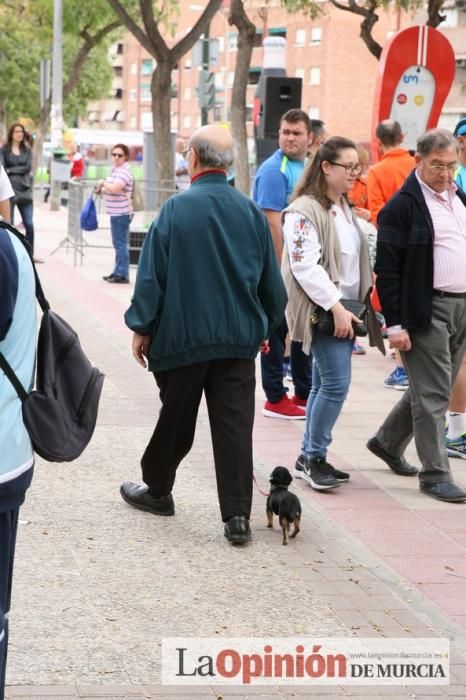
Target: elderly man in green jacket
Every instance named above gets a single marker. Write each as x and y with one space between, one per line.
208 292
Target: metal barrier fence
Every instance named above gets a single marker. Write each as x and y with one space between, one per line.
79 240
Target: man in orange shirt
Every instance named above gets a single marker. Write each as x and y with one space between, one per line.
386 177
383 180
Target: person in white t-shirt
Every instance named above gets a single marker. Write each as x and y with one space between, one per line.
325 260
6 192
182 178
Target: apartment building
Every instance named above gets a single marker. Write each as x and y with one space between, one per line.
336 68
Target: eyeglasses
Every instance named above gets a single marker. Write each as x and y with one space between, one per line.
441 168
185 153
118 155
350 168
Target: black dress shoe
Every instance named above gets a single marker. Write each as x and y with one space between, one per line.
108 277
397 464
237 530
444 491
137 495
116 279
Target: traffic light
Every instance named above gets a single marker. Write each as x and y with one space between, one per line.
206 89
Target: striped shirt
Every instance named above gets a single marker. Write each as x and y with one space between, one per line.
120 203
449 219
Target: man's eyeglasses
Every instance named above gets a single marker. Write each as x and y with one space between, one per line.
350 168
118 155
441 168
185 153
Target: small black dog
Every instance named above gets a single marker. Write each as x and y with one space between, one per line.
284 504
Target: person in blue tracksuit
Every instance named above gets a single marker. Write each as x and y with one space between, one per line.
18 345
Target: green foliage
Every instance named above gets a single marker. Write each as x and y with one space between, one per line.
314 9
94 80
26 38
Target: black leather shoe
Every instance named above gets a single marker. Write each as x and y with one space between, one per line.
137 495
108 277
397 464
444 491
237 530
116 279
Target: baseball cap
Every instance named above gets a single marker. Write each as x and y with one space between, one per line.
460 128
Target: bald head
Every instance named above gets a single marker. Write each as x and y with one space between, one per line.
389 133
213 147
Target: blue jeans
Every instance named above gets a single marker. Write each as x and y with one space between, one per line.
120 239
25 209
272 367
331 378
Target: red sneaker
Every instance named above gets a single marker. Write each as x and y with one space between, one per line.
298 402
284 408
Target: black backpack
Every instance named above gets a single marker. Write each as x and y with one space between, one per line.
61 412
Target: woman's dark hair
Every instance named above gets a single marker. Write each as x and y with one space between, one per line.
24 143
124 148
313 181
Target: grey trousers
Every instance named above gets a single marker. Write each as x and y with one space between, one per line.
432 365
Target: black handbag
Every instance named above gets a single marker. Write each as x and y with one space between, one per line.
326 325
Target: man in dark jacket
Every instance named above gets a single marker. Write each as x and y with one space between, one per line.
208 292
421 281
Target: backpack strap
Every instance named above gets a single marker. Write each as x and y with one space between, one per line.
6 367
44 304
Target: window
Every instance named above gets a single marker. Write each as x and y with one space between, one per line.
219 80
187 64
133 95
313 112
249 113
316 36
231 78
146 120
232 42
254 75
145 92
278 31
187 122
218 113
258 38
120 48
118 71
132 122
134 68
146 66
118 94
300 37
314 76
299 73
187 93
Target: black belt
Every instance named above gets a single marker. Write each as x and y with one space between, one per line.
453 295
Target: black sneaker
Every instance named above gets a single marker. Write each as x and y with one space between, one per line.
317 473
337 473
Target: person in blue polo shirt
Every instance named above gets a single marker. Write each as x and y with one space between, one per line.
17 344
460 172
275 181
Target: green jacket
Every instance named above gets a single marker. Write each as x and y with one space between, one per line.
208 284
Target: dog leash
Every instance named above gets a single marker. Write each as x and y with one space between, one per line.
258 487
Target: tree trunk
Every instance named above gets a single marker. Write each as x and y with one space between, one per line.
163 150
246 35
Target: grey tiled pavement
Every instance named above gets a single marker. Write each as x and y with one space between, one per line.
97 585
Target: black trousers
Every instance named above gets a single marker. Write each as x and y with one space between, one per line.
8 529
229 387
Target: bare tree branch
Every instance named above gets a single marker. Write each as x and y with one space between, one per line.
367 25
199 28
133 27
160 48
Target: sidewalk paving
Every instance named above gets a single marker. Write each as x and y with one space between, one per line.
98 585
